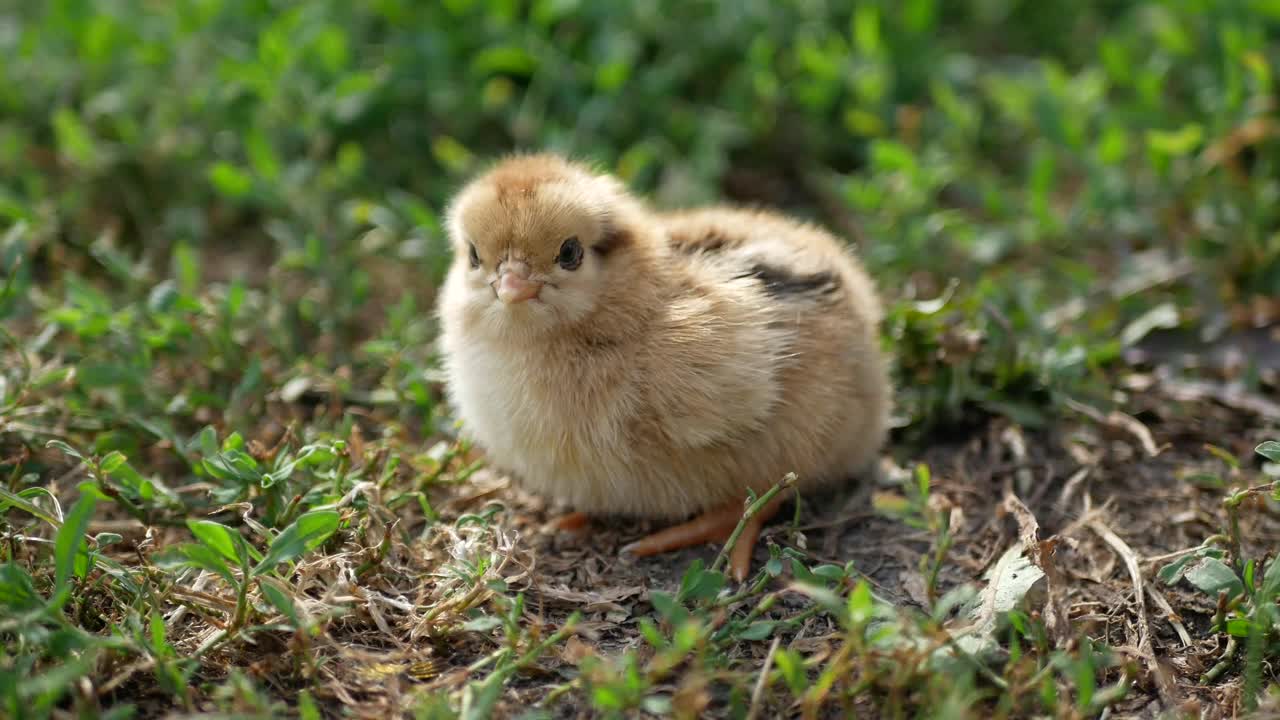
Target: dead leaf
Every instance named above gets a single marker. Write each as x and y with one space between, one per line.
1120 421
605 600
1130 558
575 650
1013 583
1042 554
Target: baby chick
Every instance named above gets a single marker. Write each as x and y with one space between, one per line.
655 364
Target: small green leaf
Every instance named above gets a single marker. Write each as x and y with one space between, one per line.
1269 450
1212 576
505 59
199 556
688 634
159 645
112 461
1171 573
186 266
70 546
791 667
650 633
758 630
1211 481
75 141
307 709
700 584
262 156
667 608
228 542
65 448
923 479
451 154
823 595
305 534
1271 580
892 156
831 573
208 441
162 297
279 599
234 465
128 477
230 180
860 604
802 574
1176 142
17 592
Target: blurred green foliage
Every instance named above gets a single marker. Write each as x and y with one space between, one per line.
1026 148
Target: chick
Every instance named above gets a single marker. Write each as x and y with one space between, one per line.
628 361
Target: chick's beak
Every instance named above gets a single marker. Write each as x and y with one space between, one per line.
514 285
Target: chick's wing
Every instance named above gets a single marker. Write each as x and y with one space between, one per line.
714 361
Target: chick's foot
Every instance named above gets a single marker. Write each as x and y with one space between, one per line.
712 526
571 522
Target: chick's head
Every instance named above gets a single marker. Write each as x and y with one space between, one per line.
535 242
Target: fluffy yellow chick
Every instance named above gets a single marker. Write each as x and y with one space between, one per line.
627 361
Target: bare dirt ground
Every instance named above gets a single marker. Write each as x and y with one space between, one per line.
1111 495
1104 500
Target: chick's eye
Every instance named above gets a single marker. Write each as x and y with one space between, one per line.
475 256
570 256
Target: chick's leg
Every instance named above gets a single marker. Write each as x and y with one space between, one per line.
571 522
740 557
712 526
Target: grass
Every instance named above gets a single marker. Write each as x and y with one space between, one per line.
229 484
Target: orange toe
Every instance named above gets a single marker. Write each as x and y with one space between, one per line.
712 526
571 522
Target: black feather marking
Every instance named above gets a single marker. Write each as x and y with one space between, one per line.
709 242
782 283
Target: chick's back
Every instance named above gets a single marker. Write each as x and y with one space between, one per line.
797 322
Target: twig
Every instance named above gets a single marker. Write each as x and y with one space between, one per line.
1120 421
1171 616
129 671
758 691
558 691
760 504
1071 485
1226 394
1176 553
1130 559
